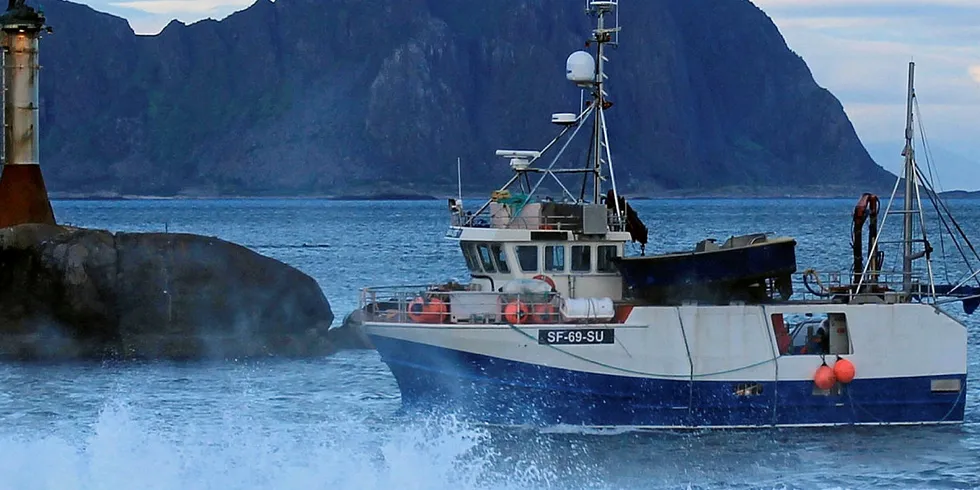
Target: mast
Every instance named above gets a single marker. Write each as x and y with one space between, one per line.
599 98
910 179
600 135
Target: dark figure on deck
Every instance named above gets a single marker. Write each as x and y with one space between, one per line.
819 343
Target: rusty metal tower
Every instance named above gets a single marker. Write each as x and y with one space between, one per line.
23 195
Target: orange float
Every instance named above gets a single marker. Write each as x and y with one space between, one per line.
428 310
844 370
824 377
416 310
436 311
545 313
517 312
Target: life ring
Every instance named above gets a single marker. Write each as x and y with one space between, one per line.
550 281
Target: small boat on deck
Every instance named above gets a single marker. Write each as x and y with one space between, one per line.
561 323
743 268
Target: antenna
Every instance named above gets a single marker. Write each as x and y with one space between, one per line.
602 35
459 181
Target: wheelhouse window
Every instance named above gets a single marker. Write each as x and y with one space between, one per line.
527 257
604 258
581 258
554 258
500 255
469 253
486 259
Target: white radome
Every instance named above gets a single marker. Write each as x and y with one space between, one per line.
580 68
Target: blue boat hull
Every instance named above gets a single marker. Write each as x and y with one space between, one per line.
505 392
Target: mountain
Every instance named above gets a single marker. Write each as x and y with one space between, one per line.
342 97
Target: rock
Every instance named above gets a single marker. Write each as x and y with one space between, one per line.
350 335
69 293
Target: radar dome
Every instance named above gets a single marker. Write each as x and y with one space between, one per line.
580 68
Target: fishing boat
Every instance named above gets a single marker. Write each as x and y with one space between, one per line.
559 324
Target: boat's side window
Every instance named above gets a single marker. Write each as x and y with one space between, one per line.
554 258
527 256
604 258
581 258
811 334
500 255
485 258
470 255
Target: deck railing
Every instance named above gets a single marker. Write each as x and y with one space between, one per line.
820 286
551 222
439 304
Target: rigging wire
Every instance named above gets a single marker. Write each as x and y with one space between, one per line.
937 203
927 151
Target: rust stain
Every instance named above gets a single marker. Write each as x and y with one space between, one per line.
23 196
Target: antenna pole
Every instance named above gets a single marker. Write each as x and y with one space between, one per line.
600 139
599 100
459 181
910 180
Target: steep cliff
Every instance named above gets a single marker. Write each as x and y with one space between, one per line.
371 96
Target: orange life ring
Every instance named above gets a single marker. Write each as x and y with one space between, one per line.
550 281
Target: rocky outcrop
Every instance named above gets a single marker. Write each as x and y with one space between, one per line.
348 97
68 293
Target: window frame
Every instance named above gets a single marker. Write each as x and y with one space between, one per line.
470 255
610 266
486 259
499 253
588 259
548 258
521 259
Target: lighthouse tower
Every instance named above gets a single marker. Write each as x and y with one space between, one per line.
23 196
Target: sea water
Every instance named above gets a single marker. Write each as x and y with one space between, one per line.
334 423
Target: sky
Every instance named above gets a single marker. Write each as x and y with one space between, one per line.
857 49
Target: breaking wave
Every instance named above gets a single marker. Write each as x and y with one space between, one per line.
123 451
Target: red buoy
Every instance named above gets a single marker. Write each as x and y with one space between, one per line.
436 311
844 370
824 378
517 312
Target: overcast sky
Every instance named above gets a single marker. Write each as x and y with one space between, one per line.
858 49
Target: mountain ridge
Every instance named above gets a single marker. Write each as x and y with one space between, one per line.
347 97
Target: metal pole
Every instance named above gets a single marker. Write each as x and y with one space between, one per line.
909 186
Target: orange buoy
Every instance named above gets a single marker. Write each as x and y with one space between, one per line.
545 313
844 370
436 311
416 310
517 312
824 377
